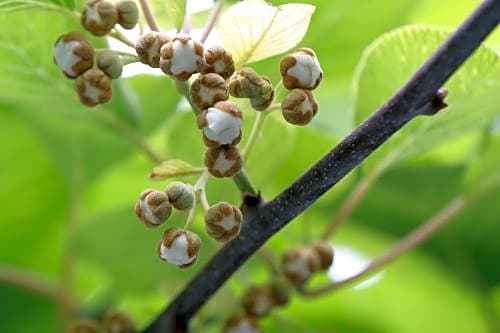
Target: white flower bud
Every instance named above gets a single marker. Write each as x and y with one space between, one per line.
208 89
99 17
299 263
223 161
181 195
182 57
223 221
118 322
301 69
237 324
73 54
148 47
179 247
258 301
93 87
221 124
153 208
128 13
218 60
299 106
325 252
110 63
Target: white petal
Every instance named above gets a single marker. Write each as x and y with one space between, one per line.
146 210
92 92
177 254
307 69
65 59
222 127
184 58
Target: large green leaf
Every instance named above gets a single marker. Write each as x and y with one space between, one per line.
389 62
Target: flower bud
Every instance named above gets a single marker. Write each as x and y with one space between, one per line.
223 161
279 292
99 17
153 208
247 83
208 89
258 301
128 13
110 63
148 47
73 54
182 57
299 106
179 247
93 87
324 252
84 327
241 324
221 124
260 103
301 69
118 322
299 263
218 60
223 221
181 195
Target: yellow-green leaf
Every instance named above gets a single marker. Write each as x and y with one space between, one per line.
176 12
254 30
173 168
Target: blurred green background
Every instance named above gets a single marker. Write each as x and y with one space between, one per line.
70 177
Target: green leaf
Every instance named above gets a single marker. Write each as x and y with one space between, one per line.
390 60
485 169
64 6
254 30
174 168
176 11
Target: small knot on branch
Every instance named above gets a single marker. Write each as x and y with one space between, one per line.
436 104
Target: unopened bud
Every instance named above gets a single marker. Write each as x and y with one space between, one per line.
153 208
128 13
73 54
221 124
299 106
208 89
84 327
301 69
258 301
241 324
223 221
223 161
218 60
182 57
247 83
325 252
110 63
93 87
99 17
181 195
179 247
299 263
148 47
118 322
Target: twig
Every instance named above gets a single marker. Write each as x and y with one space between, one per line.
271 217
29 281
256 131
118 35
211 20
412 240
148 15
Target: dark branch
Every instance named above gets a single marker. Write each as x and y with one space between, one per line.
413 99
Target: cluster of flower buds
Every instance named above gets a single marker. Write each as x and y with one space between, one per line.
99 17
301 73
177 246
299 263
74 55
223 221
241 324
246 83
113 322
258 301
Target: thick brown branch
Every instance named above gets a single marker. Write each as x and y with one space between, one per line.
268 219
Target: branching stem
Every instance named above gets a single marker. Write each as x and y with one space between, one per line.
216 10
148 15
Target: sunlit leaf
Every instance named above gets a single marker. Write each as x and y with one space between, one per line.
173 168
254 30
53 5
176 12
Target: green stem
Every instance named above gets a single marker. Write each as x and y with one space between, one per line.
244 184
256 131
118 35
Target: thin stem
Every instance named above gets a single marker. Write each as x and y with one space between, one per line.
244 184
211 20
118 35
148 15
268 257
192 212
127 60
27 280
199 196
204 200
412 240
134 136
255 133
